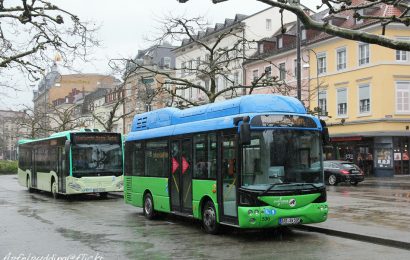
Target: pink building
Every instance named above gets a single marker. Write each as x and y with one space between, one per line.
274 64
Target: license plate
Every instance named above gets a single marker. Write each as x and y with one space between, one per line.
289 221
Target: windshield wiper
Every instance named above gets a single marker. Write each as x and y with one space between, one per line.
273 185
287 183
308 183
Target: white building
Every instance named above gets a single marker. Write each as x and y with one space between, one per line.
242 29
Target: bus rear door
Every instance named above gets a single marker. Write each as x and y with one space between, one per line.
180 181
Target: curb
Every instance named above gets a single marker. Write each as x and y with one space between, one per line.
359 237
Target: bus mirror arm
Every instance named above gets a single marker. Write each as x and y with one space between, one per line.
67 147
325 133
245 131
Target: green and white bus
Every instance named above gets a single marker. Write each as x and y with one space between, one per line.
249 162
72 162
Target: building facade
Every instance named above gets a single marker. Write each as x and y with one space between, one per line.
55 89
10 132
365 94
275 60
145 87
242 31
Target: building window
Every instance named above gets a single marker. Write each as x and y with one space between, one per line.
190 66
255 75
364 55
402 55
282 71
359 12
268 24
303 34
403 97
280 42
321 62
236 78
167 62
322 103
341 59
342 102
198 62
183 69
268 71
364 99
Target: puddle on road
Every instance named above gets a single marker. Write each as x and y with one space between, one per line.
33 213
99 242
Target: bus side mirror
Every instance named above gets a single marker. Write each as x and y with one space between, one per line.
67 147
325 133
245 132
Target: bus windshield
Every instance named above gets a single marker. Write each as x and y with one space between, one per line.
97 159
281 159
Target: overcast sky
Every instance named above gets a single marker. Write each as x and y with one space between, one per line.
126 24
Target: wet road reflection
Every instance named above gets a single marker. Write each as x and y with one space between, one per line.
37 224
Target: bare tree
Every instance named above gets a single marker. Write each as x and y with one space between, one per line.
219 62
30 124
34 31
357 9
64 118
108 120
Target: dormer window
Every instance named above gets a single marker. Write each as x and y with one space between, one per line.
359 21
280 42
260 47
303 34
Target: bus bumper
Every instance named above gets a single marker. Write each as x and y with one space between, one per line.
94 184
269 217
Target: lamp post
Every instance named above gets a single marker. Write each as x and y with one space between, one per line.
317 79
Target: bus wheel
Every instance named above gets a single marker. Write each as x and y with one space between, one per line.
149 212
332 180
54 189
103 195
28 184
209 222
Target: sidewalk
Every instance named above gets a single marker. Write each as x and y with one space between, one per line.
398 181
376 215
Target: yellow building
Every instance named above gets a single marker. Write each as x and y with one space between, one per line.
365 90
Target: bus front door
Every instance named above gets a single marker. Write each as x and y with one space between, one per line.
34 169
229 177
61 169
180 181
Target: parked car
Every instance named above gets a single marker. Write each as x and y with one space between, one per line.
342 171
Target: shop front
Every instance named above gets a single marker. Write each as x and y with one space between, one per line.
380 156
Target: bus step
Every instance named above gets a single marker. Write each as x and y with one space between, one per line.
182 214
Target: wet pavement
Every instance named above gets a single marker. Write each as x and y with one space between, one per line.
36 224
378 208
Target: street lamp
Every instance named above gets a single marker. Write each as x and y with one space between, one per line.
317 79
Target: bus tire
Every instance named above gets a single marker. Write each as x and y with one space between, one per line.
28 184
149 212
54 191
209 222
103 195
332 180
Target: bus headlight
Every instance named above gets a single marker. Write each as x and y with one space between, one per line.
256 212
250 212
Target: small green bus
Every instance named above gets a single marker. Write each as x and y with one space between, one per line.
72 162
249 162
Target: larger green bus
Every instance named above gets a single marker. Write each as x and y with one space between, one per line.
72 162
249 162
